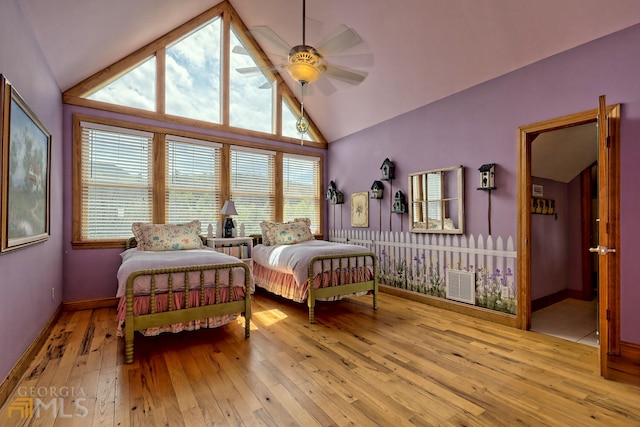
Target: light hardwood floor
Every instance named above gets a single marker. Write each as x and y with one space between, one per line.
405 364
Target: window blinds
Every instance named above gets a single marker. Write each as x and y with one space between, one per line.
192 181
252 187
116 181
301 188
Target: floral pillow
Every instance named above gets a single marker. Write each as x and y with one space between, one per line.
167 237
305 220
292 232
268 228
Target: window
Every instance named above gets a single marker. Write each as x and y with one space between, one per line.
116 181
193 181
124 175
437 201
301 189
207 70
192 80
253 187
135 89
250 94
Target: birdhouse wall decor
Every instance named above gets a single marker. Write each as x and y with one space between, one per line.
487 177
334 195
376 190
331 189
388 170
338 198
399 203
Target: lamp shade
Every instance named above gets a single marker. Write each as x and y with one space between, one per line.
229 208
304 72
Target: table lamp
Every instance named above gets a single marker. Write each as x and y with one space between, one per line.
228 209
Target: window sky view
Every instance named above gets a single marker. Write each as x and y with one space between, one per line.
193 85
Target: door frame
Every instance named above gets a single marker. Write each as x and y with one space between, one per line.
609 286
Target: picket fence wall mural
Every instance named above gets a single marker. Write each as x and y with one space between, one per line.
420 263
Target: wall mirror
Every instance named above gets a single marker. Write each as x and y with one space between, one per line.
436 202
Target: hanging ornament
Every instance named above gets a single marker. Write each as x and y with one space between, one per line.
302 124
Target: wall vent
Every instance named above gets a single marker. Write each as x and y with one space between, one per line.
461 286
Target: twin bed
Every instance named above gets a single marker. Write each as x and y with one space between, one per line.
170 282
171 258
315 270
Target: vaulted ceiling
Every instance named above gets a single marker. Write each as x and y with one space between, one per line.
424 50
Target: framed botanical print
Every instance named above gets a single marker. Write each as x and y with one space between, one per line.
360 209
25 162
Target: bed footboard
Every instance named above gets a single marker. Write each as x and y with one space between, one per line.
344 274
190 311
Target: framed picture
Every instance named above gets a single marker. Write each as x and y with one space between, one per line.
25 154
360 209
537 190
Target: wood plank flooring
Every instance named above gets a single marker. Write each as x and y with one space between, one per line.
405 364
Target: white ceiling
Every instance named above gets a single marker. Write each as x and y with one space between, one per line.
562 154
424 50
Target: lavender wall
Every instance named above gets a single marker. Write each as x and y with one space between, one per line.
554 266
27 275
479 126
91 273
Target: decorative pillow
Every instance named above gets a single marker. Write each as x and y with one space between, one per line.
167 237
267 228
305 220
292 232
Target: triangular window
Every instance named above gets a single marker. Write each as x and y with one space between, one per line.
181 77
136 89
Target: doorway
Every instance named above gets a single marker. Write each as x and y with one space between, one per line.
564 300
608 118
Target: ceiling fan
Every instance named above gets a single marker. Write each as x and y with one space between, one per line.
307 64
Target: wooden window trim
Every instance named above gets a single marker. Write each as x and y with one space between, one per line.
159 172
75 95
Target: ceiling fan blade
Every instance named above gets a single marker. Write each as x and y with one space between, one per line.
256 70
248 70
240 50
343 41
266 85
346 75
325 86
356 60
266 34
313 26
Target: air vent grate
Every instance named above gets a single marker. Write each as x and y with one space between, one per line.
461 286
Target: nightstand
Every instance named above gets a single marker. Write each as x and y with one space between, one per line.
239 247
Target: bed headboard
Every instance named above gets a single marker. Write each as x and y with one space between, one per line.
132 242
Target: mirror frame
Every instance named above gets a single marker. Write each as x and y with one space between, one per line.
459 180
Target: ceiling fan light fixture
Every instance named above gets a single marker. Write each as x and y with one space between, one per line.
305 64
